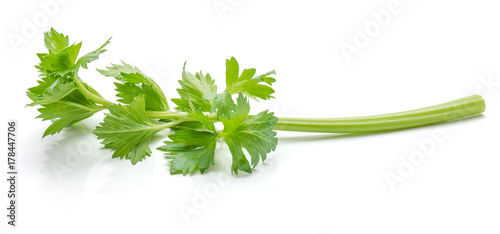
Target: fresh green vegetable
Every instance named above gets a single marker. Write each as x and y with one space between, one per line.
143 111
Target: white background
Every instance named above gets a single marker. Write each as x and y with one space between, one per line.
427 53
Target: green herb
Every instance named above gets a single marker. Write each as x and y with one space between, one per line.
143 111
62 95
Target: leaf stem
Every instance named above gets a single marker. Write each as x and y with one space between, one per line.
457 109
176 115
151 114
170 124
449 111
89 94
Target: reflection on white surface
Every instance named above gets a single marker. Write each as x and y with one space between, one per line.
77 165
78 170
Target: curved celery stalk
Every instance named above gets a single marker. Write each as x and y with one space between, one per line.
460 108
129 127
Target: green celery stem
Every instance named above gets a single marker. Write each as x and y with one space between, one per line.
449 111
